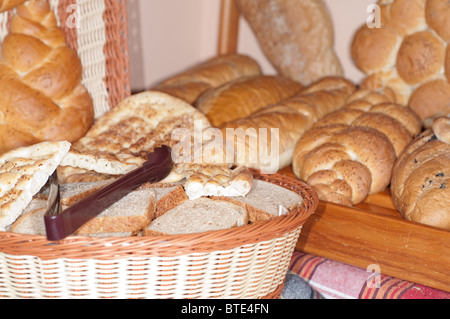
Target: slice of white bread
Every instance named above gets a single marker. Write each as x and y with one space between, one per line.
129 215
196 216
270 198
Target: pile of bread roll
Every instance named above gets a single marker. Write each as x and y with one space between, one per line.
409 53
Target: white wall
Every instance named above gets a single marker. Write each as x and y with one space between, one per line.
167 36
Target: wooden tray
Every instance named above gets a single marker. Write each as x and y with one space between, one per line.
373 234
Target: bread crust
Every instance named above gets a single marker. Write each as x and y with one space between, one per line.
297 36
43 97
409 54
420 179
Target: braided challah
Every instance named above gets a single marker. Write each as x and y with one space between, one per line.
5 5
409 53
420 180
349 153
40 76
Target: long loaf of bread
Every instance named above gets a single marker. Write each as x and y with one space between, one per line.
191 83
350 153
244 96
297 36
262 147
42 95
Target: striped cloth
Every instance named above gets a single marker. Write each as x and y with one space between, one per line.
323 278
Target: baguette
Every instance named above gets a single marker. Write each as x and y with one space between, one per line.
297 36
190 84
244 96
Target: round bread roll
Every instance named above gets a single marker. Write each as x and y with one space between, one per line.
409 53
420 180
42 97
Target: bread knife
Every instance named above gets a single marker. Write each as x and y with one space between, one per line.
60 224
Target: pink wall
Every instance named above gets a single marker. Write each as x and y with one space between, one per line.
167 36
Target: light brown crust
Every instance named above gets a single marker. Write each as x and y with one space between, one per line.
190 84
244 96
43 98
420 182
297 36
409 54
349 153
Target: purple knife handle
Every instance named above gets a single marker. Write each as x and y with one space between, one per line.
157 167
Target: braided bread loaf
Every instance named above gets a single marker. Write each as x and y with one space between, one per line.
410 54
5 5
420 186
349 153
40 76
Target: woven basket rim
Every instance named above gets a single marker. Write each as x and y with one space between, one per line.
110 248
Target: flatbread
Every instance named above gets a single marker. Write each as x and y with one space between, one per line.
121 139
23 172
218 181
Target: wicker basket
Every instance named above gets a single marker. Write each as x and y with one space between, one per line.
243 262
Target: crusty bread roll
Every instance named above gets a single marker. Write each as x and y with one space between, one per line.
244 96
297 36
190 84
409 53
290 117
349 153
5 5
42 95
420 180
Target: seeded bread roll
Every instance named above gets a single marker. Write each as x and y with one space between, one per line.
420 186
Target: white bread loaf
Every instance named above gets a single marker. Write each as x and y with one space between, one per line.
297 36
244 96
191 83
42 97
254 138
349 154
409 53
420 185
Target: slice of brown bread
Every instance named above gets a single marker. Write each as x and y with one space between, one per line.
199 215
129 215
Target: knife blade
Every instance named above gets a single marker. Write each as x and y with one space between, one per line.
60 225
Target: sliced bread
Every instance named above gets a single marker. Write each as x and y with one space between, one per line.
199 215
270 198
129 215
